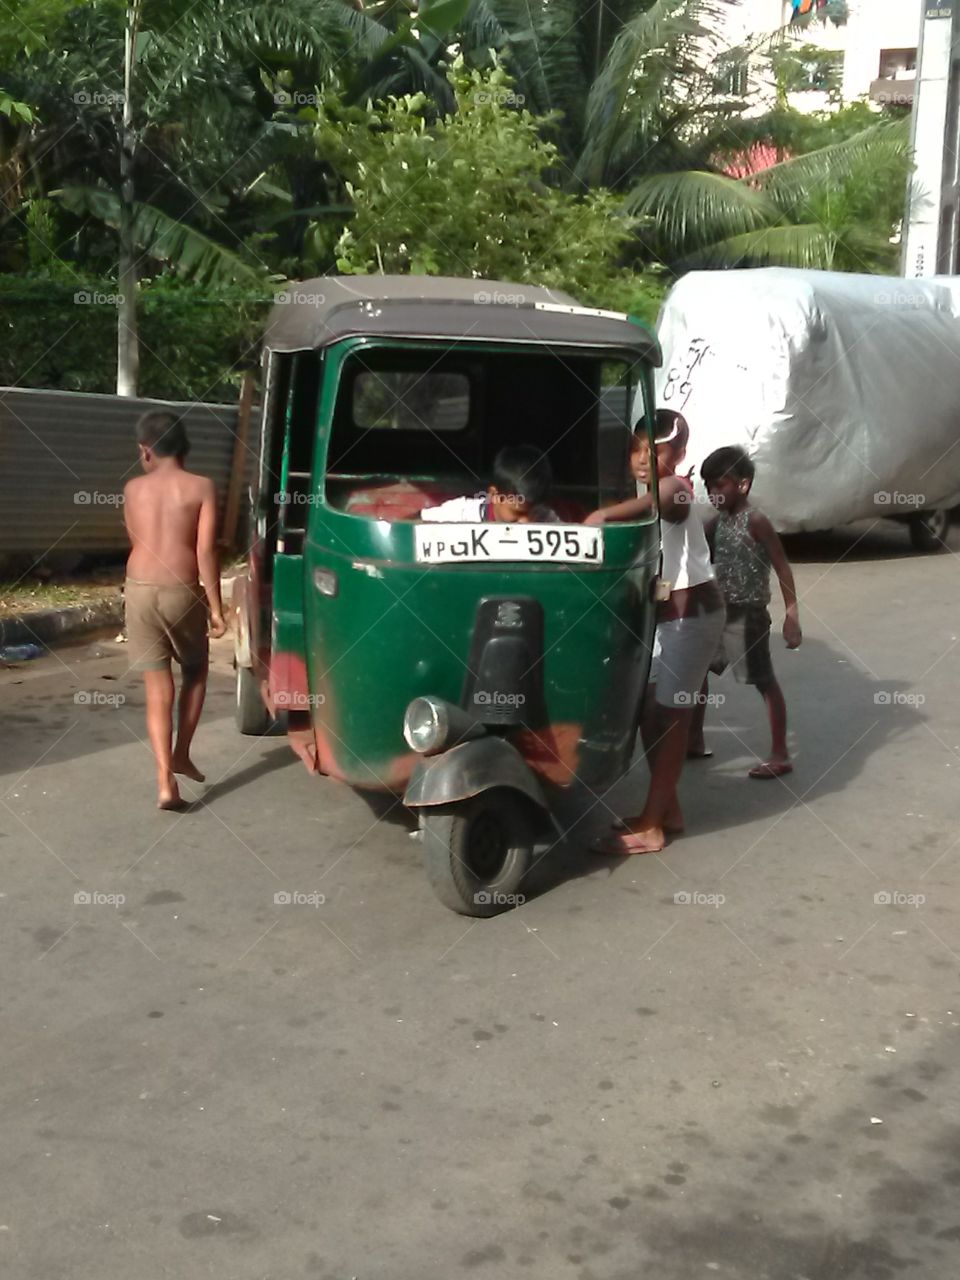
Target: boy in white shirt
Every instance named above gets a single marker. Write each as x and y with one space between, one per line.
521 481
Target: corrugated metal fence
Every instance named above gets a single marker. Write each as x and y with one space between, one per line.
65 457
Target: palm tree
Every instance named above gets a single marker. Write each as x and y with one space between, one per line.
632 80
835 207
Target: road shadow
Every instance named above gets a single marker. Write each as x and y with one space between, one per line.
867 540
852 716
896 1162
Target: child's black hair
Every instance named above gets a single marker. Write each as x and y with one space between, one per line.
523 470
731 460
163 433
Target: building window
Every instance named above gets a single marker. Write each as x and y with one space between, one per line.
898 64
733 77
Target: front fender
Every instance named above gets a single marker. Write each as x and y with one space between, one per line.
469 769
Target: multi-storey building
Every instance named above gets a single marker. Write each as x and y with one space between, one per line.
870 56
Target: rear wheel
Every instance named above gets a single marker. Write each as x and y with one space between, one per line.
928 530
252 717
477 852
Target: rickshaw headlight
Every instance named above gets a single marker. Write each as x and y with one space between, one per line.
431 725
425 725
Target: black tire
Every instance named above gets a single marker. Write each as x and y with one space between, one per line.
928 530
476 853
252 717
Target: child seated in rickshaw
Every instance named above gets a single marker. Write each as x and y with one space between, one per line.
522 478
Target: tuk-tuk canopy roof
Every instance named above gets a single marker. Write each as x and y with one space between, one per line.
314 313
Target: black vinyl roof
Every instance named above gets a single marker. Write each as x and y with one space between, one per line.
314 313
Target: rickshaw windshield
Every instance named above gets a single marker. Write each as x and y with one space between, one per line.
415 426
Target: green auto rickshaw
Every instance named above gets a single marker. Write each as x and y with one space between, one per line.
490 674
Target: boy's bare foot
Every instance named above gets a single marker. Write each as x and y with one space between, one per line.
168 794
185 766
775 767
697 751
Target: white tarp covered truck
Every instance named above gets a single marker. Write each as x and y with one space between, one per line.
845 390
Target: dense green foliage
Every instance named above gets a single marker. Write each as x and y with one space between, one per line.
586 147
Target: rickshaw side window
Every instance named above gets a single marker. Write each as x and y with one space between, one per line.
401 400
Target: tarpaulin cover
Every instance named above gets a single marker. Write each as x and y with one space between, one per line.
845 389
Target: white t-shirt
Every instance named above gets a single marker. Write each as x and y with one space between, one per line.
456 510
474 511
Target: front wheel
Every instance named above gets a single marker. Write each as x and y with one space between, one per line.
928 530
477 852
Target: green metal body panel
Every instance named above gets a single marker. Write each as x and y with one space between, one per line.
395 630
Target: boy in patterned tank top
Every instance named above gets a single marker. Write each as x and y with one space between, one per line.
745 547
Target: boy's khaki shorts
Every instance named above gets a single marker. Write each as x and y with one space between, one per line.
164 623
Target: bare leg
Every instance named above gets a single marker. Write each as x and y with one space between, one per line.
696 748
159 687
193 690
778 761
653 727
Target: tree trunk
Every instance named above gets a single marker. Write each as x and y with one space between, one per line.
128 344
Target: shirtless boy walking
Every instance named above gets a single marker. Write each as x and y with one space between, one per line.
171 515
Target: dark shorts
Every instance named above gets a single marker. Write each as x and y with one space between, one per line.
745 645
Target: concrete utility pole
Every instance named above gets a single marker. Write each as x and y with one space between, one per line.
128 345
932 220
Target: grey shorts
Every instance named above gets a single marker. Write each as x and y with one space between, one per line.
745 646
165 622
682 652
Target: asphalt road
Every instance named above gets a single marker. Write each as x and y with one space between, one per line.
606 1084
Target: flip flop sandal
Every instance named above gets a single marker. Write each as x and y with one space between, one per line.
620 827
768 770
699 755
613 846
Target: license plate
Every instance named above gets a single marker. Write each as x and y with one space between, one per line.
473 543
